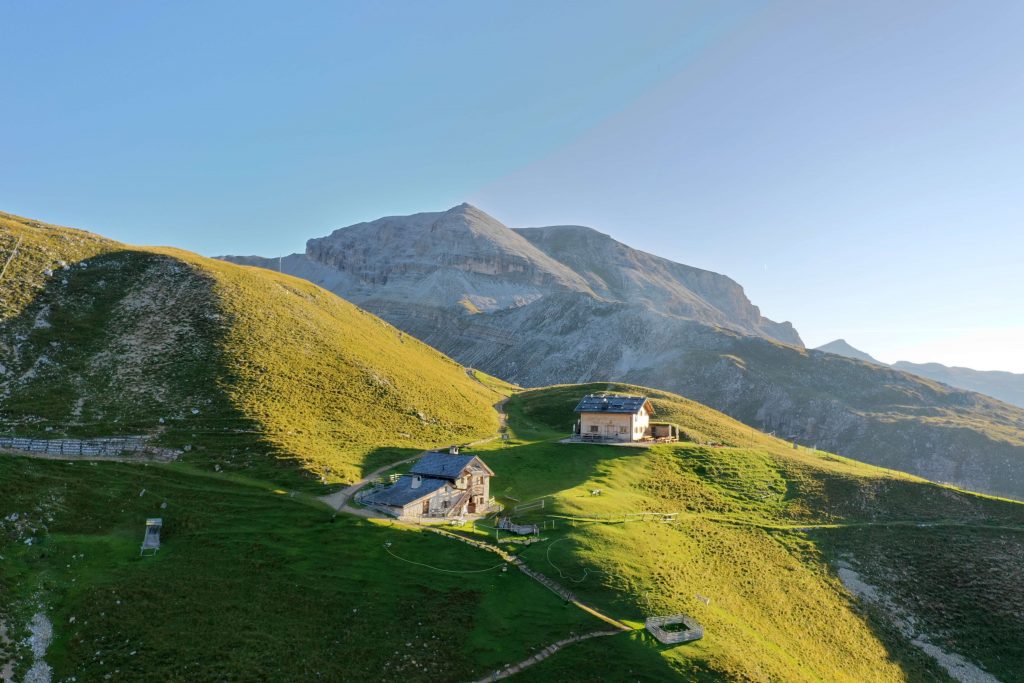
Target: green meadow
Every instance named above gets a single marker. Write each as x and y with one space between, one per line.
754 552
276 392
250 584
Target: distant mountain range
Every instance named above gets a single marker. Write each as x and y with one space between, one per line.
1006 386
564 304
841 348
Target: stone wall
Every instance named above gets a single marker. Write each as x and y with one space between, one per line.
693 631
119 446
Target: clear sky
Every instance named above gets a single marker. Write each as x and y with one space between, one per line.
857 166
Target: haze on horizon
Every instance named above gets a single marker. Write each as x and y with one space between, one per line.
856 167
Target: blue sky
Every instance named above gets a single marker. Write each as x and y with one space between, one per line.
857 166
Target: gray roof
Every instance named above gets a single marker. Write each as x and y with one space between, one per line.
605 403
442 465
401 493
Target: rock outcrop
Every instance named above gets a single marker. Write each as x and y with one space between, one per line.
841 347
618 272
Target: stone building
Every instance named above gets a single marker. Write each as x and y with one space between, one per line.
439 485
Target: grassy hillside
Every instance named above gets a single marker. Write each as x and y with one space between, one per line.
801 565
233 363
877 415
250 584
641 319
254 582
763 531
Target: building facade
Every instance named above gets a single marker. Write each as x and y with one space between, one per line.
604 417
440 485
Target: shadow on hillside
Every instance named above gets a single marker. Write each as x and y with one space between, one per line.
386 455
522 471
132 343
902 653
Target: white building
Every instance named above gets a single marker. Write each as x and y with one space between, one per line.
614 418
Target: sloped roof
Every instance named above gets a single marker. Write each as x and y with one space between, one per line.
401 493
445 465
606 403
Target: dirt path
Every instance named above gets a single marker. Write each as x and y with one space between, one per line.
513 669
618 518
338 499
561 591
499 407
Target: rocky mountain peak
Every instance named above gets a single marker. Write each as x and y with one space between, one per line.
465 259
461 257
841 347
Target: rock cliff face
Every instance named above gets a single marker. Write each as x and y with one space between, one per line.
465 260
540 306
460 257
618 272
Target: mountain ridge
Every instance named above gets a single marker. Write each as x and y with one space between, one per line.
622 273
841 347
465 260
583 333
1001 385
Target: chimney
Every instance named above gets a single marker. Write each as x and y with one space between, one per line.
416 481
453 450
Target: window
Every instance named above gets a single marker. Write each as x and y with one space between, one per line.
623 430
593 428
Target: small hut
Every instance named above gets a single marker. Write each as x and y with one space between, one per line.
151 540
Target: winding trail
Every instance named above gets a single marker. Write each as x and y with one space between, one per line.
542 655
339 501
806 526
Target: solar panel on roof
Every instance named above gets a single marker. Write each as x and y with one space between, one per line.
613 404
